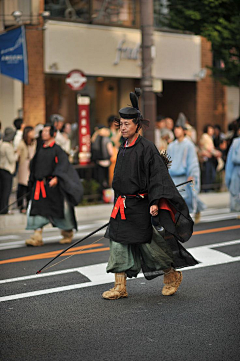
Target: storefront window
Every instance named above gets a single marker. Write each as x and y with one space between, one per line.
76 10
116 12
104 12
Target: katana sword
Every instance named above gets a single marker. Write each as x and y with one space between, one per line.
89 235
72 245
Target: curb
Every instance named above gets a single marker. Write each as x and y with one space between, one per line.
17 221
215 200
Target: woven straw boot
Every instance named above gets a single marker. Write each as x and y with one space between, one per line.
67 237
119 289
172 281
36 239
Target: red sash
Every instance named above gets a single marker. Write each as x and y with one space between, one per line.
40 184
120 205
39 187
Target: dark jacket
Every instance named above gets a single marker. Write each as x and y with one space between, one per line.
47 163
140 169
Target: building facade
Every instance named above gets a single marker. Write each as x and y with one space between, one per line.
105 44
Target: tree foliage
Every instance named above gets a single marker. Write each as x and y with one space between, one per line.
219 22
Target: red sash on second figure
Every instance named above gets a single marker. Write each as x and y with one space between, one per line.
39 187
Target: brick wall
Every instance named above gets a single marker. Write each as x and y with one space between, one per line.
34 92
210 95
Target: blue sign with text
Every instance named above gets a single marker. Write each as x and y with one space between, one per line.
13 54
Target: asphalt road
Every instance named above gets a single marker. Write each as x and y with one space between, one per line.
60 315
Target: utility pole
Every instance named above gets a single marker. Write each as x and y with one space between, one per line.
149 98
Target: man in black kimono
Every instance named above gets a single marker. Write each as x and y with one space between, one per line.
149 217
56 189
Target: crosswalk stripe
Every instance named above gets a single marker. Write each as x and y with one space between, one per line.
97 275
10 236
222 217
21 243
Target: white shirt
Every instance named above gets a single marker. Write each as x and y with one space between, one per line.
7 157
63 142
17 139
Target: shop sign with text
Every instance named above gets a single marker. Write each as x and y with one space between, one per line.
84 129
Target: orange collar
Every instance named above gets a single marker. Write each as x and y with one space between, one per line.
50 145
132 143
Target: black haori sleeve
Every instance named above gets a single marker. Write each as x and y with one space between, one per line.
160 185
178 225
69 180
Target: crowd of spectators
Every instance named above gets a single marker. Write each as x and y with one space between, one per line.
18 146
212 147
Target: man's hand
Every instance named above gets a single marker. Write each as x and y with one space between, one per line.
154 210
53 182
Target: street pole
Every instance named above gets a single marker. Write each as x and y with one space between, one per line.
149 98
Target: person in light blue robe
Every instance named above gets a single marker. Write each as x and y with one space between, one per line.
232 174
185 167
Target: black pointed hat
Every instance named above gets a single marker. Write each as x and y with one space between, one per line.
181 121
133 111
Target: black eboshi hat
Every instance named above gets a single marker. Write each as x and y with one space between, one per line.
132 112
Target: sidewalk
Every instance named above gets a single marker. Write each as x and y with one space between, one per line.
17 221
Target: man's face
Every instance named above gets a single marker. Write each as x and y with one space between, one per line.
46 134
179 132
58 125
169 123
68 128
31 134
127 127
161 124
210 131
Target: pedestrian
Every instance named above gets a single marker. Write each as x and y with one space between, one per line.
185 167
232 132
165 140
170 126
8 159
26 150
114 134
101 153
208 155
56 189
19 125
38 135
232 174
160 124
1 135
115 137
191 132
57 121
145 193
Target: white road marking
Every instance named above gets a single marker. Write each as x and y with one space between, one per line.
51 239
215 210
223 217
10 236
97 273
